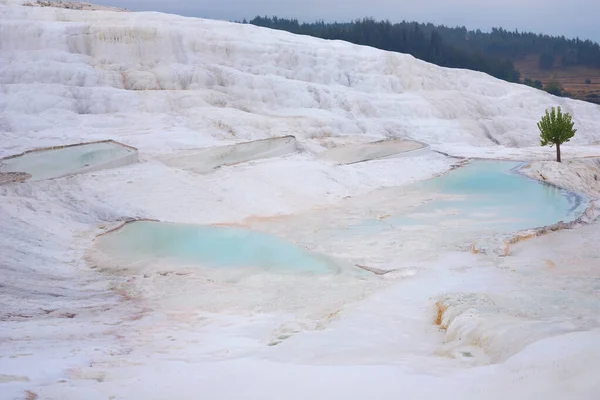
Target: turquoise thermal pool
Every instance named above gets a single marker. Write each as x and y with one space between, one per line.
210 246
487 196
59 162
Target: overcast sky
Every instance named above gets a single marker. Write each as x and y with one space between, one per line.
556 17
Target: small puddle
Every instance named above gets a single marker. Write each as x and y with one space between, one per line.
356 153
144 242
58 162
208 159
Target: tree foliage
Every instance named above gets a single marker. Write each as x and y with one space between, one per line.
536 84
556 128
517 45
554 88
546 61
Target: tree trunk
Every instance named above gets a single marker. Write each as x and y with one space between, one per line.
558 152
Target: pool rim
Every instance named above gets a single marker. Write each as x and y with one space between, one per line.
130 150
64 146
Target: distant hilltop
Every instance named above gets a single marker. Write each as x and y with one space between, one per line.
560 66
71 5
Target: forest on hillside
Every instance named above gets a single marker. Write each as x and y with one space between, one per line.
491 52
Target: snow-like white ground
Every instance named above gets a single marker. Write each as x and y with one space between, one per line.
523 326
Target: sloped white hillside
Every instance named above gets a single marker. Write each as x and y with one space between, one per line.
72 329
168 81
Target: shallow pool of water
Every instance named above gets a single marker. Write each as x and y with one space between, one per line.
477 201
55 163
211 246
491 196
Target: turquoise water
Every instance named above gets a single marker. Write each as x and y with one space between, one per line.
488 195
483 196
211 246
53 163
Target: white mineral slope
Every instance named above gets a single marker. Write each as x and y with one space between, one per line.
581 176
165 84
162 82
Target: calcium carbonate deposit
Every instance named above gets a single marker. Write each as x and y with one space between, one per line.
322 230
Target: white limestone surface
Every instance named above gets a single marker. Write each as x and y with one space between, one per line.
519 327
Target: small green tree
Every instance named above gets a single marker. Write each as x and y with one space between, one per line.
554 88
556 128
